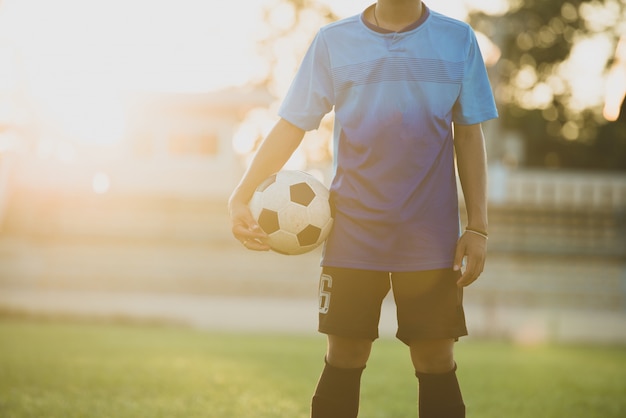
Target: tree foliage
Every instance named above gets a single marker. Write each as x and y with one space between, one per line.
291 25
550 78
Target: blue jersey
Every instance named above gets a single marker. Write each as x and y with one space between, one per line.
395 97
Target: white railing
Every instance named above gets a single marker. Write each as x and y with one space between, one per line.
565 189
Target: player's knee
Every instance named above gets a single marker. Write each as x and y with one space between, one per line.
433 356
348 353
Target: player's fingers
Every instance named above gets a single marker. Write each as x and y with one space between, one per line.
473 270
244 226
251 238
474 248
459 254
255 245
249 230
468 277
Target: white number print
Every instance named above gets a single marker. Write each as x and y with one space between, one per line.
326 283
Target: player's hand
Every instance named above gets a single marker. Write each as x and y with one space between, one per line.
245 229
473 248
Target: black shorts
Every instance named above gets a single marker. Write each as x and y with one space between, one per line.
429 304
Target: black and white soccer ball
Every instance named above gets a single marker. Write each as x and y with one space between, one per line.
293 209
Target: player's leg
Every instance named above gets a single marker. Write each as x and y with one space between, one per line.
338 390
439 391
430 319
432 356
350 302
348 353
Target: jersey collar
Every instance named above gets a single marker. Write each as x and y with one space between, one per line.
414 25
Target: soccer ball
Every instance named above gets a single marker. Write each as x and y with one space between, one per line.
293 209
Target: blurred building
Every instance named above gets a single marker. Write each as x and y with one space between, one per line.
176 154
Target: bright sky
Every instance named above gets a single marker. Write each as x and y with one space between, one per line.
77 59
184 45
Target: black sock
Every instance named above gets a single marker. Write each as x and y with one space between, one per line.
440 395
337 393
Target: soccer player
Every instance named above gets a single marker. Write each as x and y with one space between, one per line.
409 90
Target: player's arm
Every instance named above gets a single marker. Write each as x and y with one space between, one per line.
274 152
469 144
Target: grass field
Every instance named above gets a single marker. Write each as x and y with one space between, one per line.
71 369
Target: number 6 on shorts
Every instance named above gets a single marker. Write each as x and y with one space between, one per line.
326 283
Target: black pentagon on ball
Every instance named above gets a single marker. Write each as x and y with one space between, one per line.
268 221
301 193
309 235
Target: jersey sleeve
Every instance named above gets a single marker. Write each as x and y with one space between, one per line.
310 96
475 103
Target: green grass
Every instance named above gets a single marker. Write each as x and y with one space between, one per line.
70 369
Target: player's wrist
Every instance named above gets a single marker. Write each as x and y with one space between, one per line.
476 231
236 201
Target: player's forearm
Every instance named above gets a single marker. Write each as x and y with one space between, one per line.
472 165
274 152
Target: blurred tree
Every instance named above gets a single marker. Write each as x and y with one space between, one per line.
290 26
550 80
